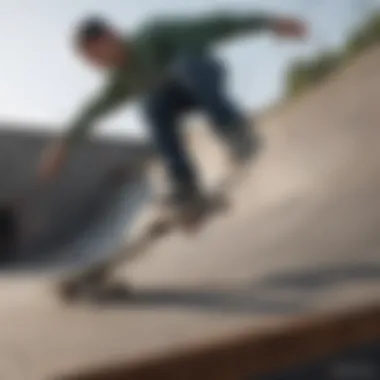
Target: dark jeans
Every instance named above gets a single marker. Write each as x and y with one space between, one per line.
196 83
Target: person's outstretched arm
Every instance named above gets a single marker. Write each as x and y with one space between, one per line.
54 156
216 28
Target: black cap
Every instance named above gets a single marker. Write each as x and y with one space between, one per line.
91 29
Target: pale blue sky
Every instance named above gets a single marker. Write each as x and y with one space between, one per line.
42 81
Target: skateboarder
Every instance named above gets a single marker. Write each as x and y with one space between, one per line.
169 66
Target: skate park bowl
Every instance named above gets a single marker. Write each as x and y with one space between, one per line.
287 283
69 221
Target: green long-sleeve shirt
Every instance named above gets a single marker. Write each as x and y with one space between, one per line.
153 48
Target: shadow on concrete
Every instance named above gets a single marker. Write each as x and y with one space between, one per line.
323 278
219 301
277 294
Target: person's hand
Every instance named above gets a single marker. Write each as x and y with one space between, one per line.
52 160
290 28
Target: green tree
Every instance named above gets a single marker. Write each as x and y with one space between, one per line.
364 37
305 73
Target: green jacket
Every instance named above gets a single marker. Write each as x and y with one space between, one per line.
153 48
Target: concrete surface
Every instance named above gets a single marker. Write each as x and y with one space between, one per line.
53 218
303 239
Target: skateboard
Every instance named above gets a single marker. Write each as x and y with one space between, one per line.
97 281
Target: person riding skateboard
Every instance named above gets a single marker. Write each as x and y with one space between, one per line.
168 64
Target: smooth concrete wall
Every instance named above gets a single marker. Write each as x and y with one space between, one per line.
53 216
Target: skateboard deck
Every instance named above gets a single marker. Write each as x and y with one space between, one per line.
97 281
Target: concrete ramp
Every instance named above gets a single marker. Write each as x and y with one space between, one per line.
296 264
81 215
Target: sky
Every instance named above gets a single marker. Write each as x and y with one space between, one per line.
42 81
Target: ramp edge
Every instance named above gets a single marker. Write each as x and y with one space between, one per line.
254 353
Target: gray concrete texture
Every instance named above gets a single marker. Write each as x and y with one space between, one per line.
53 217
301 240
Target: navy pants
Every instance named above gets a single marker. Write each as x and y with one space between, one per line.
195 83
